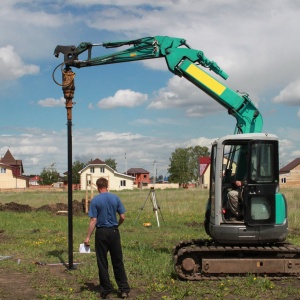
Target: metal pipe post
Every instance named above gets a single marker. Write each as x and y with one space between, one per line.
68 89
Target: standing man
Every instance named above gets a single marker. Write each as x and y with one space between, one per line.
103 215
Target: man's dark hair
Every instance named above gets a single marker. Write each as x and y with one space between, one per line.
102 183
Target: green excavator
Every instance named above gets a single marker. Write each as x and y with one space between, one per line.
249 236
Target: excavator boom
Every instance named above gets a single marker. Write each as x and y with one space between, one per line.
182 61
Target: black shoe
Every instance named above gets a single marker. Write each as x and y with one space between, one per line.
124 295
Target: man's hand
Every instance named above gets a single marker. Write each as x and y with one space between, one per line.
238 183
92 225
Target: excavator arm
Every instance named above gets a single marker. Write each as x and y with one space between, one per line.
182 61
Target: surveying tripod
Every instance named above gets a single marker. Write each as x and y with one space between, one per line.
155 204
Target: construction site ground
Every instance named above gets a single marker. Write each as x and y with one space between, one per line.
26 285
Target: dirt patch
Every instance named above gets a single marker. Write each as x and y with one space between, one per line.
28 286
193 224
77 207
12 206
15 285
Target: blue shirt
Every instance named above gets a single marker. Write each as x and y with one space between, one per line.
104 207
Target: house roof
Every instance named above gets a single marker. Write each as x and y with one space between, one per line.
97 161
8 159
137 171
292 165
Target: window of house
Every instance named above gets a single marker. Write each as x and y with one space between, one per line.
3 170
92 169
283 180
145 176
123 182
102 169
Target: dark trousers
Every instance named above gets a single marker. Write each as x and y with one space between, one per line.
108 239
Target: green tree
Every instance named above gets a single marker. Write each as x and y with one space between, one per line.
49 176
184 164
194 153
111 163
76 167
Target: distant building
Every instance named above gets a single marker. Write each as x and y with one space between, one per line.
96 169
142 176
204 171
11 171
289 175
34 180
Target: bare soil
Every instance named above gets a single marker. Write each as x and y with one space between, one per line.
14 285
77 207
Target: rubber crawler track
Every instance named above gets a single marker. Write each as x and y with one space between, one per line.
198 249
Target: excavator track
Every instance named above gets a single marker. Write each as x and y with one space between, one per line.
205 259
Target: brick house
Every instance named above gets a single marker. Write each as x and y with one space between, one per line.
142 176
289 175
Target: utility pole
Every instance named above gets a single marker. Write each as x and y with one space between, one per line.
154 173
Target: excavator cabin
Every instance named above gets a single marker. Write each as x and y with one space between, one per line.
260 213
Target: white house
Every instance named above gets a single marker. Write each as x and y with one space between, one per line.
96 169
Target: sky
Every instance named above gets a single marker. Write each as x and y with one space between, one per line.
138 113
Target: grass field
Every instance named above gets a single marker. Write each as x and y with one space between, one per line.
41 236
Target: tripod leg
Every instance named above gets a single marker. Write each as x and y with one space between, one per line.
143 206
155 207
158 207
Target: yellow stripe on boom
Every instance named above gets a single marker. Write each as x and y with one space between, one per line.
205 79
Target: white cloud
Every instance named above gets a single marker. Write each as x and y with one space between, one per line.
123 98
254 44
12 66
296 153
202 141
31 13
35 147
112 136
290 95
38 148
51 102
180 93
